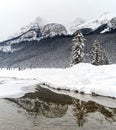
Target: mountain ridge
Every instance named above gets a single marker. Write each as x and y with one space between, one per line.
108 19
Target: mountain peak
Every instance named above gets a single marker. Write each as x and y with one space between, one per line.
38 23
106 16
95 23
53 29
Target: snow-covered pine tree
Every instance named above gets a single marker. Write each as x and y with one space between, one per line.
77 48
98 54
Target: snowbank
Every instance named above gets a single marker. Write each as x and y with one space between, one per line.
82 77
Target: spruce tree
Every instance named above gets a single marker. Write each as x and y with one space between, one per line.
77 48
98 54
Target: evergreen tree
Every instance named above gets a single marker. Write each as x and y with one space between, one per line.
77 48
98 54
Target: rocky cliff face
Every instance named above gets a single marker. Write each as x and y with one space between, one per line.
53 29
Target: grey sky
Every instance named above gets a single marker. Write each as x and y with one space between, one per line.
17 13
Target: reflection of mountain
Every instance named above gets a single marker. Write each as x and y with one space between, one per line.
48 104
45 102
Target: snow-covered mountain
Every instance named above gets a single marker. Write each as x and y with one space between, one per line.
33 31
36 30
111 26
75 24
35 45
39 29
101 24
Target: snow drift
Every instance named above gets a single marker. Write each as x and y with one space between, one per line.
82 77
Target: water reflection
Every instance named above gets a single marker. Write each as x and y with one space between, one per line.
81 110
46 103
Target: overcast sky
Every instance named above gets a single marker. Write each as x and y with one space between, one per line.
17 13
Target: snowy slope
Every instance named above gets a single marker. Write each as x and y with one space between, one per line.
75 25
29 32
82 77
95 23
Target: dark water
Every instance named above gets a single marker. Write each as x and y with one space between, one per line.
47 110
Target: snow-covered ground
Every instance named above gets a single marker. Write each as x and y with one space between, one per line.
82 77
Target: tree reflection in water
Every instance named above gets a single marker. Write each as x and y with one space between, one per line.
52 105
81 110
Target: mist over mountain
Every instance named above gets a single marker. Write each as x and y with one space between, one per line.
74 25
